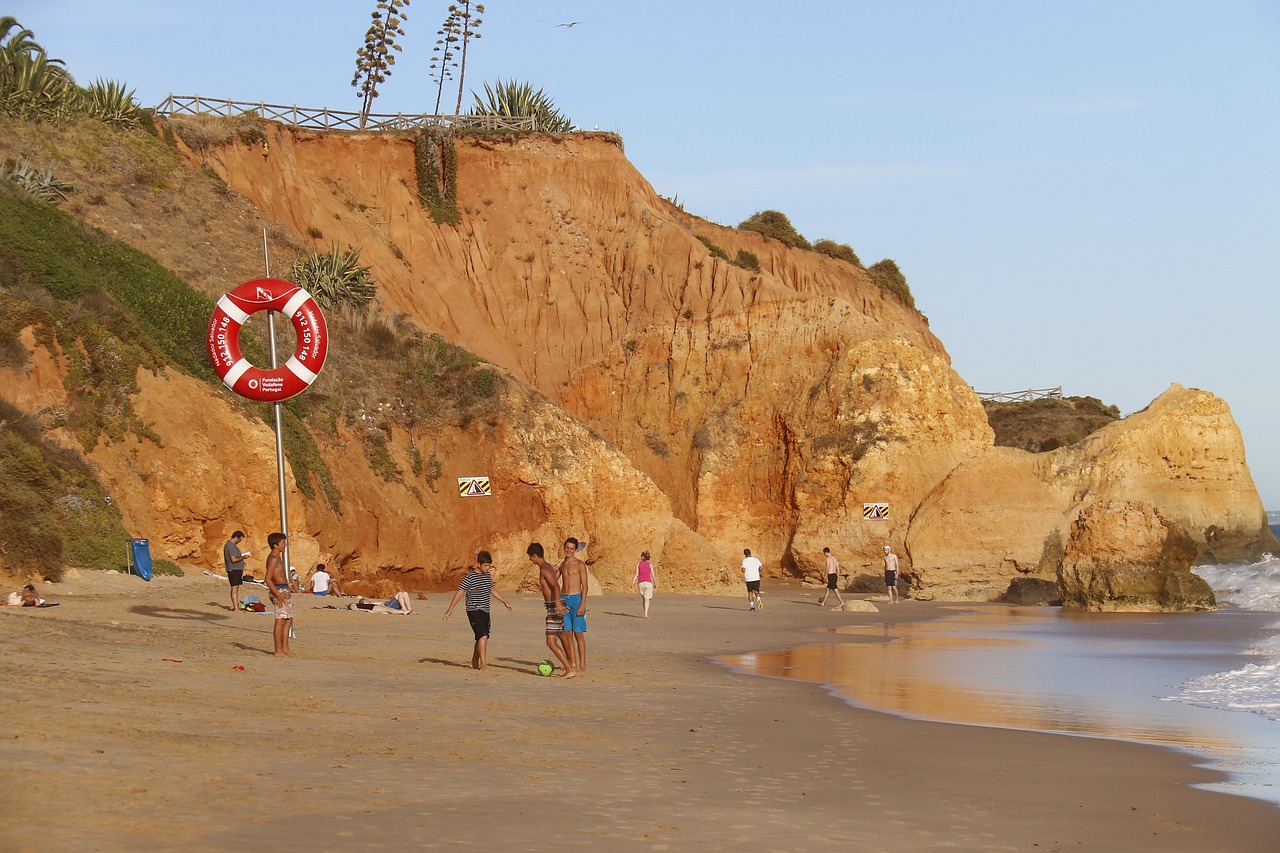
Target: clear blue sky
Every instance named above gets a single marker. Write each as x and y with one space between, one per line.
1082 193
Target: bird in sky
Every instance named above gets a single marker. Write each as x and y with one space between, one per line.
570 25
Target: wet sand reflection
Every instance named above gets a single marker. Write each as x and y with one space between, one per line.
1018 668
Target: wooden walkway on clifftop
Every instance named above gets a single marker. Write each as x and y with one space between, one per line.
1020 396
323 118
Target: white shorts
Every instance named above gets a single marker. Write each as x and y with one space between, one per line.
646 589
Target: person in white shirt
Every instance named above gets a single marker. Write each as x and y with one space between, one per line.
321 581
751 574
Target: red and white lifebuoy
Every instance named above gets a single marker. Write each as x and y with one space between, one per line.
296 374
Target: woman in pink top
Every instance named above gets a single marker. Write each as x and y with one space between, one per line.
645 580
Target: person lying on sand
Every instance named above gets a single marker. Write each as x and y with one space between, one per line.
28 597
397 604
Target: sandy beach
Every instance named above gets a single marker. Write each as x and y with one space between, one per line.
149 717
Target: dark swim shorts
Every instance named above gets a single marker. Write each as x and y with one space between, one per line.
479 620
831 581
235 577
890 578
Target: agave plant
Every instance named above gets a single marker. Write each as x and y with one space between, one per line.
110 102
334 278
514 99
41 185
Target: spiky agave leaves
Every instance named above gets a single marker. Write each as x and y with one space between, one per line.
335 278
516 99
110 102
40 185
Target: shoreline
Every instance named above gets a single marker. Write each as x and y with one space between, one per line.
1109 676
378 736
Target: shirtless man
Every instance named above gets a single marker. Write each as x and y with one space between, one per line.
833 578
556 607
281 594
891 574
573 585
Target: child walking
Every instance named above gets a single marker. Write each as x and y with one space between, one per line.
477 586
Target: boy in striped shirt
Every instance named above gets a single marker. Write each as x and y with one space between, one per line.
477 586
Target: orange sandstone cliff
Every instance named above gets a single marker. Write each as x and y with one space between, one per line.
654 397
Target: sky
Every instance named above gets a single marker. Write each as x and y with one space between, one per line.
1081 193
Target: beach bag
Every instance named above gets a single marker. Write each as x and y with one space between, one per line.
258 607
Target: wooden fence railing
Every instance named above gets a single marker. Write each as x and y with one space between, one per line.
1021 396
327 119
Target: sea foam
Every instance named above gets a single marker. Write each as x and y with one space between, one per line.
1255 687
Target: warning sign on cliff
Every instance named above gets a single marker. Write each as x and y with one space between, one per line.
474 487
875 512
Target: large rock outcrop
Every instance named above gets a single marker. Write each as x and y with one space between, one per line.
1006 513
1126 555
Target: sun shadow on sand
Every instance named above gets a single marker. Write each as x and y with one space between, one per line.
627 615
175 613
523 666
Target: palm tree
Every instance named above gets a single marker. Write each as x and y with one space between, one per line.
31 84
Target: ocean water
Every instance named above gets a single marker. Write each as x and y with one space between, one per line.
1255 687
1204 683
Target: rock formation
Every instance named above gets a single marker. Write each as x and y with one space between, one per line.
1126 555
658 396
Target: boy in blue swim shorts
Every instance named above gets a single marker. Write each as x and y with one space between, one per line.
573 585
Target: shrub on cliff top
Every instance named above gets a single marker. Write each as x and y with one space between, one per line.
773 223
887 275
839 251
1047 424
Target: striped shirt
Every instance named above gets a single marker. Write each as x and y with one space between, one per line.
477 586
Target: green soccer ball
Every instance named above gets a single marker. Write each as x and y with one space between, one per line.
546 668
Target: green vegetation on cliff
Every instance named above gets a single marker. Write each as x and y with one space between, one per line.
108 308
53 511
1043 425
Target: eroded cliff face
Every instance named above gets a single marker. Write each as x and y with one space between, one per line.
768 407
658 398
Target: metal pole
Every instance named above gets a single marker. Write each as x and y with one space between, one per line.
271 333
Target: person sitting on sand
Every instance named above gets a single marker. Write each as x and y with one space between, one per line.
321 581
27 597
397 604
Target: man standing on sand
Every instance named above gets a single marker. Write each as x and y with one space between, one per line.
573 585
477 586
280 592
556 608
833 579
233 562
751 567
891 574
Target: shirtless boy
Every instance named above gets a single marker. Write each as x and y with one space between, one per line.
573 585
281 597
556 607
